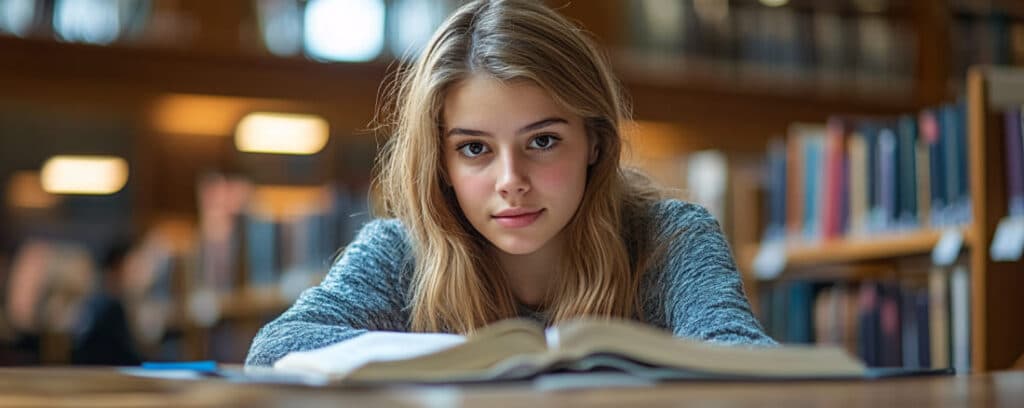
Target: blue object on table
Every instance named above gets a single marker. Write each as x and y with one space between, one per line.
206 366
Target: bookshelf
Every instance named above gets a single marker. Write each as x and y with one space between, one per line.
246 308
890 246
996 336
252 302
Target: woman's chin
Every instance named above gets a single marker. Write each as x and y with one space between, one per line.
517 246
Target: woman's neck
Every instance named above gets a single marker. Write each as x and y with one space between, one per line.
530 275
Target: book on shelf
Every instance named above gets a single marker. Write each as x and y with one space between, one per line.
860 176
986 33
938 316
1014 140
919 321
521 349
960 318
840 50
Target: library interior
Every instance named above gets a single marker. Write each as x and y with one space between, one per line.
202 163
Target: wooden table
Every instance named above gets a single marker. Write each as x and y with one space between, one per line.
99 387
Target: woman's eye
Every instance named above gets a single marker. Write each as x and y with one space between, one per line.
544 142
472 149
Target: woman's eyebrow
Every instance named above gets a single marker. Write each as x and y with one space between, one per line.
540 124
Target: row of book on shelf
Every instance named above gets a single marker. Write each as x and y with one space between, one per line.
841 46
983 33
261 236
920 320
856 176
278 238
861 42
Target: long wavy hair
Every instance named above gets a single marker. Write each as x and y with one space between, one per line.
458 286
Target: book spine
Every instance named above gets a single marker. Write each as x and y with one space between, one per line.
937 166
1020 203
1014 161
833 183
908 172
823 318
924 197
922 305
949 140
886 186
858 199
844 193
868 324
889 323
961 319
964 193
800 315
910 328
795 183
261 250
938 316
776 190
870 133
814 183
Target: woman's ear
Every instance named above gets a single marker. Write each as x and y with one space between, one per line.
595 152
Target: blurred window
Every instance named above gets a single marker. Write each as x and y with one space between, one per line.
87 21
411 24
344 30
280 24
16 16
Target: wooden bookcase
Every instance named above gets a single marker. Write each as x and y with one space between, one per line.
997 288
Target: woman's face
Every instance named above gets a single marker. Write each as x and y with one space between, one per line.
516 160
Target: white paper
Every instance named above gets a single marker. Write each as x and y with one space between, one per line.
342 358
948 248
770 260
1008 243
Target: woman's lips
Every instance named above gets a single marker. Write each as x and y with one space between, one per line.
518 221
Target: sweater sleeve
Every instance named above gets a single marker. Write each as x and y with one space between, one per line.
363 291
702 290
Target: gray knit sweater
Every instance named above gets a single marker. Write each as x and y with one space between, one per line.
695 292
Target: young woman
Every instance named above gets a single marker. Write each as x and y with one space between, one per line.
506 196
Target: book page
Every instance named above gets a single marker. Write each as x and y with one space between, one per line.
510 348
648 345
340 359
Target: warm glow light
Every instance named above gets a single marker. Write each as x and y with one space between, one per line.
209 115
281 133
654 140
283 202
96 175
656 148
199 115
774 3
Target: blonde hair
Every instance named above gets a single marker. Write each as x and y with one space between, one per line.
457 286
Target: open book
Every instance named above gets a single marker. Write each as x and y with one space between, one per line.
519 349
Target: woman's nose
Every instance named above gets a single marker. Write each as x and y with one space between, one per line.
512 178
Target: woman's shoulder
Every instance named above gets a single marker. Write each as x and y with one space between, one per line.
383 228
650 226
671 214
384 236
380 250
